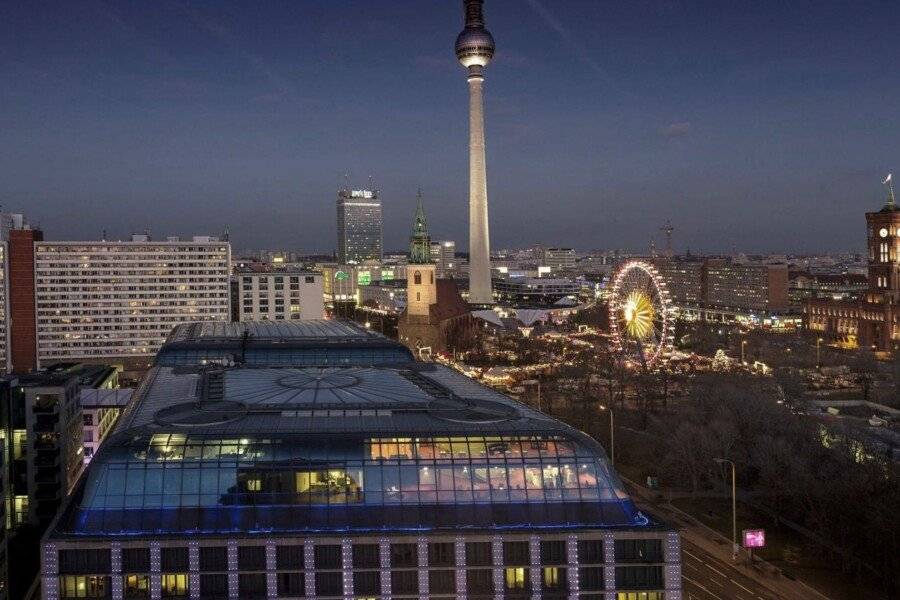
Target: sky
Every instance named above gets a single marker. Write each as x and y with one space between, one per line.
752 126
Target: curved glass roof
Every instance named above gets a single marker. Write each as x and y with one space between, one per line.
408 446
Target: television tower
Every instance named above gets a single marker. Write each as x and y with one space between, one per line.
474 49
667 229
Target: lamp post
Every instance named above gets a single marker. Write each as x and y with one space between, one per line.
734 546
743 344
612 434
818 353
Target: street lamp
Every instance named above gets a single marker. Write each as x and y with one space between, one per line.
743 344
734 546
818 353
612 435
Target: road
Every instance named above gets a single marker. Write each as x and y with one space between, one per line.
708 578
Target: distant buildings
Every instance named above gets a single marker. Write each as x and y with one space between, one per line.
534 291
443 255
721 290
278 294
359 226
558 259
874 320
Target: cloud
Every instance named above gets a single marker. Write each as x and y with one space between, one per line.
679 129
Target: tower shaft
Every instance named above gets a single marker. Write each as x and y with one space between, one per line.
479 235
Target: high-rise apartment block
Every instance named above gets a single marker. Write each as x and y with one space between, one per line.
278 295
558 259
119 300
5 363
359 226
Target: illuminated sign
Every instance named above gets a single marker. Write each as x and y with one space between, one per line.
361 194
341 276
387 274
363 277
278 259
754 538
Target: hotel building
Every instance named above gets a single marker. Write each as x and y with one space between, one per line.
359 226
317 460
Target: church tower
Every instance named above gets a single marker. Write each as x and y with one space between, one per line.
421 287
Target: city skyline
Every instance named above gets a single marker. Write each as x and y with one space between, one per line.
735 128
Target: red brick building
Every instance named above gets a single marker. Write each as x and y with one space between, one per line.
874 321
22 316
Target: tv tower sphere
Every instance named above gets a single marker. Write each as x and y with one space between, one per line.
474 44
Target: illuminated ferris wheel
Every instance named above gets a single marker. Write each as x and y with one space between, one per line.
641 313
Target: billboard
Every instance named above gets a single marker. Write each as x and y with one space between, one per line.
754 538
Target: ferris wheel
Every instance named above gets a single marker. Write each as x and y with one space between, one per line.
641 313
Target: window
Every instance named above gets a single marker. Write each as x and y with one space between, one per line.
404 555
291 584
554 578
310 279
553 552
213 558
84 561
174 585
328 557
478 554
252 585
289 557
639 577
174 559
479 581
366 556
590 551
442 582
136 586
252 558
84 586
515 553
639 596
329 584
214 586
516 578
417 278
591 578
441 555
135 560
404 582
639 551
367 583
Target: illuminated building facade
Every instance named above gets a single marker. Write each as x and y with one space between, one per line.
363 476
359 226
5 364
443 255
278 294
874 321
118 300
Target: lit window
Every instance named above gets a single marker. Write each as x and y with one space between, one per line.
174 585
515 578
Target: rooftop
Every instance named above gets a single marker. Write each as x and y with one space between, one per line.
386 446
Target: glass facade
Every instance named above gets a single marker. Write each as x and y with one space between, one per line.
177 471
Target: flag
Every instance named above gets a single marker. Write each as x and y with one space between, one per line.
887 179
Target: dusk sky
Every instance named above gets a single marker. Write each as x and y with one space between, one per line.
756 126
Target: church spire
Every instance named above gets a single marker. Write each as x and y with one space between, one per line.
420 242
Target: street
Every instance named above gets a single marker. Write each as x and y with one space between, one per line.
708 578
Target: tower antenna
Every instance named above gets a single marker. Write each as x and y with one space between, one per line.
889 181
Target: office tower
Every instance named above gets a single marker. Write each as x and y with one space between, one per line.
558 259
359 226
381 477
474 49
278 294
761 288
443 255
119 300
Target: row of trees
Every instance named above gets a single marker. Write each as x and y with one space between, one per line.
843 490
